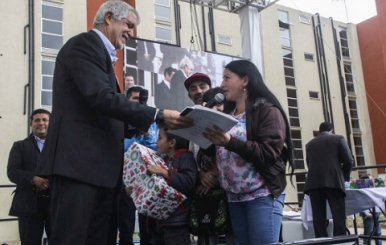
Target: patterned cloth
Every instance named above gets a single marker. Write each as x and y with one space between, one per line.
151 194
237 177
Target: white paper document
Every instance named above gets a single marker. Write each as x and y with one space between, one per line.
203 118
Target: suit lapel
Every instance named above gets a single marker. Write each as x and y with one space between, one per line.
109 65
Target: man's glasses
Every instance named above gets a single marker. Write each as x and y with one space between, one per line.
129 24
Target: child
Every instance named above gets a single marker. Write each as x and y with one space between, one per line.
181 175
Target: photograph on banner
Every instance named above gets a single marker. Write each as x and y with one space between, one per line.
162 69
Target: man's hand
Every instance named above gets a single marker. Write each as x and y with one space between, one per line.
208 179
40 183
173 120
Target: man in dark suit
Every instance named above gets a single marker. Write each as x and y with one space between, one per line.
179 98
329 161
31 199
162 90
84 148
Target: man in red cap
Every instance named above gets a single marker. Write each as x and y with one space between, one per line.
196 85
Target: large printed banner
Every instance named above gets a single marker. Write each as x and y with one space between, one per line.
149 63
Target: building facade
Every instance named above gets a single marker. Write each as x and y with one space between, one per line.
313 64
371 35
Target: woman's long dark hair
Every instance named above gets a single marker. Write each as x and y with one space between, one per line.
257 89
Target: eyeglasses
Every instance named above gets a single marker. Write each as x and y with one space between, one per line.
129 24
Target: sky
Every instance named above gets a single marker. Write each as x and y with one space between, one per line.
353 11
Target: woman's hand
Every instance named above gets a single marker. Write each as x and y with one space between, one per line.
217 136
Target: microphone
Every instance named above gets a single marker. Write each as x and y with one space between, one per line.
217 99
143 96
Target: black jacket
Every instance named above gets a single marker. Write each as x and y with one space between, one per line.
266 134
86 132
329 162
183 176
21 169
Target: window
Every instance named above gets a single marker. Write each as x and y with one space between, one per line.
48 65
354 114
360 158
52 41
52 27
162 9
298 150
344 43
163 34
283 16
224 39
349 78
309 56
305 19
285 38
313 94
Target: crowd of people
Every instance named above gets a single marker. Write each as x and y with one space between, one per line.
68 174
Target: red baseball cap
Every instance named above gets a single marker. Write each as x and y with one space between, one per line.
197 77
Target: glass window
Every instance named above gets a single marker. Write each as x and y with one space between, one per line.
48 67
162 12
308 56
224 39
313 94
294 122
287 62
305 19
289 71
47 82
52 27
292 102
163 34
296 134
52 42
293 112
283 16
290 81
287 53
51 12
163 2
47 98
291 93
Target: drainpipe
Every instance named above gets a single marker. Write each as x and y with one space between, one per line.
319 63
203 27
177 22
29 88
342 86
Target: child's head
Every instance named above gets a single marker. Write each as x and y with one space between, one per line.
169 143
210 94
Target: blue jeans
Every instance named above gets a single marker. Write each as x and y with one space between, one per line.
368 225
257 221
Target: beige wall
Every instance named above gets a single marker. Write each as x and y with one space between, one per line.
14 70
14 76
307 77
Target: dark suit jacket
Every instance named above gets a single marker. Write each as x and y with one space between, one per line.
162 96
21 169
85 136
329 161
179 94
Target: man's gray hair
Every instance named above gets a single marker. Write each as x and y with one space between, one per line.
118 8
186 62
